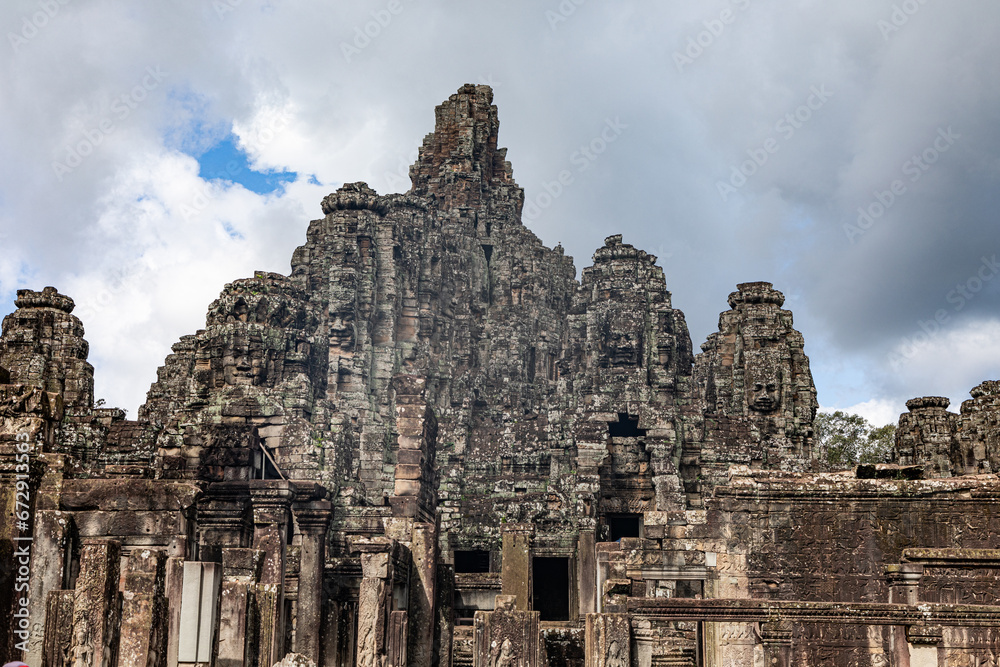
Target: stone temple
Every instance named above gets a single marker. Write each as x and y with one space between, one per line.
430 444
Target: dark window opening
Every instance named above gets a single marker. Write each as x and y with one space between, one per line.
689 588
625 427
472 561
551 588
624 525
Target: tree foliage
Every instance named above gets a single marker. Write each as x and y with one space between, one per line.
847 439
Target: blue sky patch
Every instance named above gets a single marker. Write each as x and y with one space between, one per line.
226 161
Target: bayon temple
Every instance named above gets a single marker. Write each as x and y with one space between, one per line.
431 444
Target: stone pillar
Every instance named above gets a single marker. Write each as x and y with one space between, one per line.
313 520
777 639
48 564
144 620
645 639
241 570
20 474
374 601
515 567
173 590
330 638
445 617
904 582
58 638
271 513
587 571
397 640
610 565
608 640
95 604
904 588
423 591
506 637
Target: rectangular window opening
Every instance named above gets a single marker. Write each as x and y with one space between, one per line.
689 588
472 561
624 525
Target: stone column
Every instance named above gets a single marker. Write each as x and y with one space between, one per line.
423 591
20 475
777 639
313 520
241 570
904 588
397 639
174 591
330 639
515 568
48 564
271 513
95 604
587 571
445 621
58 638
645 638
374 600
144 620
608 640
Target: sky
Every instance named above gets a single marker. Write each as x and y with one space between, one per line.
847 152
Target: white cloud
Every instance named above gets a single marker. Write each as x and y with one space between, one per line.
277 68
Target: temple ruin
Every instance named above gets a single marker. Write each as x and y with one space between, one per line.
431 444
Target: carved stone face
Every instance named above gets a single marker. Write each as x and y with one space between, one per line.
243 362
622 340
763 386
342 330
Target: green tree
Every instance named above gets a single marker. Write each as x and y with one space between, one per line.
847 439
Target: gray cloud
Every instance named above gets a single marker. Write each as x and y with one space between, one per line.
358 113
